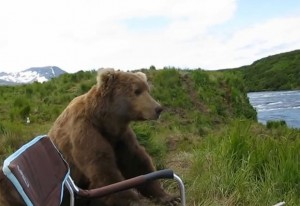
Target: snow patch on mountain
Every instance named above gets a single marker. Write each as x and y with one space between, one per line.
34 74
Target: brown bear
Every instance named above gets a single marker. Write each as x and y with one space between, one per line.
94 136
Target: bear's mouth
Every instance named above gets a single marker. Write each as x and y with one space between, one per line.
155 116
142 117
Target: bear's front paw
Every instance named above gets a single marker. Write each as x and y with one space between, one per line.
139 203
169 200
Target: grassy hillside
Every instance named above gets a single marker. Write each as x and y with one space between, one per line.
207 134
273 73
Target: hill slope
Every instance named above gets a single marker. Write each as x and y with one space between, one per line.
207 134
277 72
212 95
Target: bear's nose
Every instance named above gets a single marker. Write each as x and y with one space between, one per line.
158 110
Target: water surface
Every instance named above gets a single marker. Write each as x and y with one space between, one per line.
282 105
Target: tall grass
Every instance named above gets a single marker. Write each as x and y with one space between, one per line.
13 135
147 136
241 167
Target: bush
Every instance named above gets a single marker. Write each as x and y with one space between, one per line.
24 112
276 124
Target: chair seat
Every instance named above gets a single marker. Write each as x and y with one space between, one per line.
38 172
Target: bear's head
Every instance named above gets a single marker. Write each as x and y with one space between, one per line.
127 95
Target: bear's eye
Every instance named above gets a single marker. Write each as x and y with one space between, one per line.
137 92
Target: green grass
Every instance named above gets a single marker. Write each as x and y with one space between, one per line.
241 167
207 134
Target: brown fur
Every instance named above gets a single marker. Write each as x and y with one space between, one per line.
94 136
8 194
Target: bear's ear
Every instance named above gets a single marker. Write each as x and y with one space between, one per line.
142 76
105 76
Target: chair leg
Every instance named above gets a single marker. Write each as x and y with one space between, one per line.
182 189
67 184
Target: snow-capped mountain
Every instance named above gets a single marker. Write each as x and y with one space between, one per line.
34 74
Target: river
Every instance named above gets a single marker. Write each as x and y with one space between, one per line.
282 105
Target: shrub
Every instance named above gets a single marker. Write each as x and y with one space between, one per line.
24 112
276 124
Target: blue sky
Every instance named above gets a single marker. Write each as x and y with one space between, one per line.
252 12
255 11
133 34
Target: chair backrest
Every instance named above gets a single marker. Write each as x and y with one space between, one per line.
38 172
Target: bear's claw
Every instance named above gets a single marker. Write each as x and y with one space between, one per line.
169 201
174 202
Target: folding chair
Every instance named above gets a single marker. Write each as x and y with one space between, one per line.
39 173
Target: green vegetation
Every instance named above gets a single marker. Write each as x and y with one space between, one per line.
273 73
246 165
276 124
207 134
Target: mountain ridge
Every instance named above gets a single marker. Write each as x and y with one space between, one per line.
33 74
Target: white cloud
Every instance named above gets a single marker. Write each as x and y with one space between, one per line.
82 34
88 34
261 40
